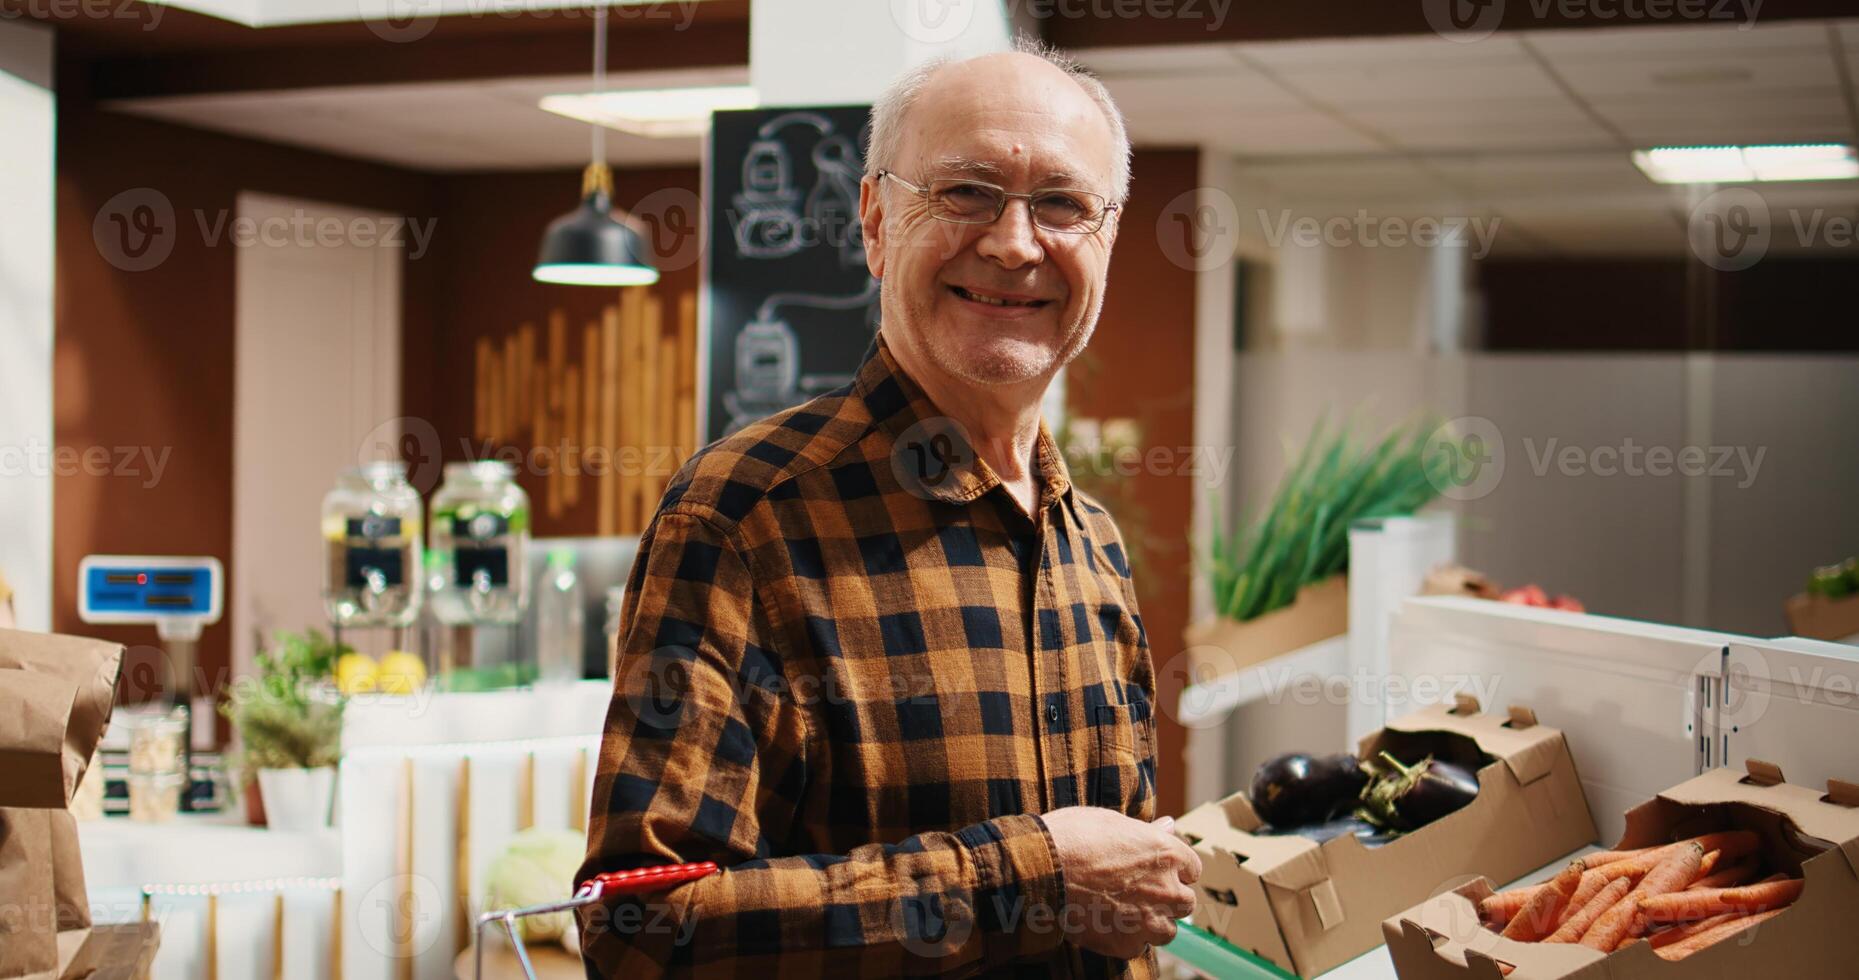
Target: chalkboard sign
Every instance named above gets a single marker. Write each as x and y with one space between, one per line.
791 307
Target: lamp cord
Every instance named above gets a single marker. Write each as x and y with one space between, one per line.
598 132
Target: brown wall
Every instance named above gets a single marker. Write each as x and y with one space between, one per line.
1140 365
145 358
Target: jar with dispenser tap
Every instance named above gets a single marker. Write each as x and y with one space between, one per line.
480 541
372 536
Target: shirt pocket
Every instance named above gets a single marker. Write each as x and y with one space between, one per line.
1122 775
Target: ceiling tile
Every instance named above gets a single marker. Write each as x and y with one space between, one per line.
1233 88
1693 40
1145 59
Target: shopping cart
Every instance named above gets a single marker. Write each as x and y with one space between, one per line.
599 888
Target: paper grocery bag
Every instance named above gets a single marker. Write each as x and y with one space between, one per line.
28 924
55 698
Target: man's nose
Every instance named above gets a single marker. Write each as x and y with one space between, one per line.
1012 240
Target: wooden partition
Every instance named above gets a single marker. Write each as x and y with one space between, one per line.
605 409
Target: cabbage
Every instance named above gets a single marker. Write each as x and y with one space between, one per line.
536 867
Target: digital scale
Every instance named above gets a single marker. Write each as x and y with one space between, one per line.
179 596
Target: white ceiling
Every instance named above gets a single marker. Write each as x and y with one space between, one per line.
482 125
1534 127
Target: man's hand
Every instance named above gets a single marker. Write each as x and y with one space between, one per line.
1126 881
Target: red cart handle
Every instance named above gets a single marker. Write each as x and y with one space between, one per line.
642 880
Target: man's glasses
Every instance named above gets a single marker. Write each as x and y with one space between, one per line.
1065 210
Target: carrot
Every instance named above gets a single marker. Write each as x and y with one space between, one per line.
1711 937
1592 881
1736 874
1687 906
1667 937
1538 916
1636 868
1577 925
1709 864
1599 858
1733 843
1501 907
1623 921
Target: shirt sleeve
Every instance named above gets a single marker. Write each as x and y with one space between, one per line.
704 759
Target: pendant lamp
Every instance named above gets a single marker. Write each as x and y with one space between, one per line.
587 246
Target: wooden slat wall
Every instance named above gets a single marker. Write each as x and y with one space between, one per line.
615 419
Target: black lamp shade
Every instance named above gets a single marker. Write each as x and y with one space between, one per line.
587 247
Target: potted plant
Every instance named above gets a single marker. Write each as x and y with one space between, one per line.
1280 582
288 718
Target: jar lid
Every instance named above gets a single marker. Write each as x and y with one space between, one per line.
159 717
481 470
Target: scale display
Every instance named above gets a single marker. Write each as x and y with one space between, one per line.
136 589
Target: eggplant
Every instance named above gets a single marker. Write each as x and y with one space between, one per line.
1405 798
1369 834
1296 790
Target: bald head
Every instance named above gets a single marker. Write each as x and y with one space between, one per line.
1031 78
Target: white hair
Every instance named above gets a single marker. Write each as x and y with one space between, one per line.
889 112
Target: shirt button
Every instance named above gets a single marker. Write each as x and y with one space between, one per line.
1052 712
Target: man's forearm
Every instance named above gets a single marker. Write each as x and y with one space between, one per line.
934 903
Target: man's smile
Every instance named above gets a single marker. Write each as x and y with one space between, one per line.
999 304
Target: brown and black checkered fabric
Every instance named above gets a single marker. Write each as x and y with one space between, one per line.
852 671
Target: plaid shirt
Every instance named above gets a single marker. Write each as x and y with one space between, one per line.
852 672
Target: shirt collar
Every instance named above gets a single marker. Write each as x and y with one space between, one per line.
921 434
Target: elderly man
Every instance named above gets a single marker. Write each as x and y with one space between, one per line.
880 660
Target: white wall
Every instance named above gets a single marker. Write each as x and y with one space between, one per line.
26 240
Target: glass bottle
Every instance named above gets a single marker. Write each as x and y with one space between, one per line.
560 621
372 537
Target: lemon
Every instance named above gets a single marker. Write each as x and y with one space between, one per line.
356 673
401 673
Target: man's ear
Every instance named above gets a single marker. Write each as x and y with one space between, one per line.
1116 222
871 224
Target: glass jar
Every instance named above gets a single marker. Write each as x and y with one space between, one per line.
372 532
157 738
480 538
155 797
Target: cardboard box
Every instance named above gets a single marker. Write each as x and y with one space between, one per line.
1820 618
1802 830
55 698
1308 907
1221 646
